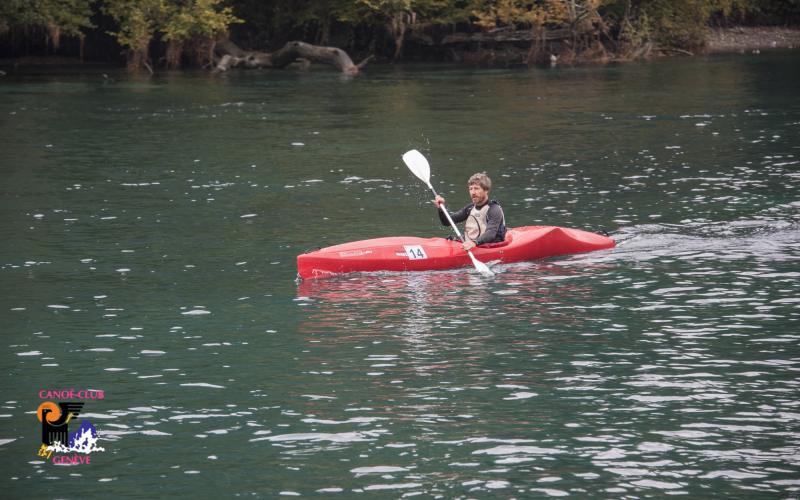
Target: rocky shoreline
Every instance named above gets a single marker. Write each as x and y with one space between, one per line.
742 39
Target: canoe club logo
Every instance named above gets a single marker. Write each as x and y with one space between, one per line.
58 444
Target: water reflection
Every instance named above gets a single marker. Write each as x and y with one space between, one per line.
414 303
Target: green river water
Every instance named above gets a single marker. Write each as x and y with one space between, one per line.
147 250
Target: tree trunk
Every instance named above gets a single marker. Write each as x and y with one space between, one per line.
536 45
54 36
174 52
398 30
325 32
231 56
136 59
201 51
138 56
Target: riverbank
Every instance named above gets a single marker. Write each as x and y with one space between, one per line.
736 39
742 39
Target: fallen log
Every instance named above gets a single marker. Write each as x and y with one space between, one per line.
231 56
677 51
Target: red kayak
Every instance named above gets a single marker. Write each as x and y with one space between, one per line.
408 253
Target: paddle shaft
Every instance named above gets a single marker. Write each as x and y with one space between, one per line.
449 219
478 264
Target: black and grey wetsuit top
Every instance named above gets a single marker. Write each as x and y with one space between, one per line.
485 223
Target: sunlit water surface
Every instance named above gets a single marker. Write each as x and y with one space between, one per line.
147 245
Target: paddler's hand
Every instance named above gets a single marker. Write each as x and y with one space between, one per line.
438 201
469 245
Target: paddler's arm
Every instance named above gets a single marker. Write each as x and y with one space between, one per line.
457 217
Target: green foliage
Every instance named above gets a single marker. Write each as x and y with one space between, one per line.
520 13
138 20
196 18
71 17
676 23
683 23
763 11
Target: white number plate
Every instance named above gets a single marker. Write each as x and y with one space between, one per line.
415 252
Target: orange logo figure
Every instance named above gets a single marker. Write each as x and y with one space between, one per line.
51 415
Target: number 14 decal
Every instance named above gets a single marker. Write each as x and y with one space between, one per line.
415 252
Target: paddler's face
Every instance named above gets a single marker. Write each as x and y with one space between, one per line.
478 195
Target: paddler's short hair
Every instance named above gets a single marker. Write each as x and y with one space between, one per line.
482 180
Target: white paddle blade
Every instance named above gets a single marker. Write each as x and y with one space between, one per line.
481 267
418 165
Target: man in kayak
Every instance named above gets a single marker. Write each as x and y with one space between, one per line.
485 220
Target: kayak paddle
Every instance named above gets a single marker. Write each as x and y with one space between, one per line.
419 166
